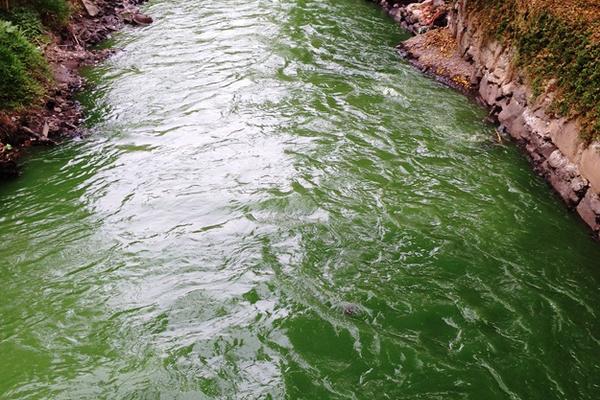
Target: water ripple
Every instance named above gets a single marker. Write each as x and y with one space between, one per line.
271 204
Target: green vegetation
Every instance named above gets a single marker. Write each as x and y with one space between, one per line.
555 42
50 11
28 21
23 70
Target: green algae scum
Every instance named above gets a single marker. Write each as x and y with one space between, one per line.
271 204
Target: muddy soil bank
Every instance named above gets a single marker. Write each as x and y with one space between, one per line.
449 45
58 115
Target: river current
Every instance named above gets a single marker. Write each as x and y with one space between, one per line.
272 204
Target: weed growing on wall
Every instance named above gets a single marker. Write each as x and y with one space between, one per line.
555 41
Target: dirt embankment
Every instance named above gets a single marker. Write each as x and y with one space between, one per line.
58 115
463 55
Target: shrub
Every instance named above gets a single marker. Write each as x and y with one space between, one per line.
53 12
27 20
23 71
59 10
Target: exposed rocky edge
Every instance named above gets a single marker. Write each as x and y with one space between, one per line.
416 16
466 58
436 53
58 115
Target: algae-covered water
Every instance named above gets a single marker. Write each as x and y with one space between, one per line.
271 204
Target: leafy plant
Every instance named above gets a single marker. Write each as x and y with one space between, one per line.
28 21
23 71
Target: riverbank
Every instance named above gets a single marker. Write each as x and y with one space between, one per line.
458 44
54 113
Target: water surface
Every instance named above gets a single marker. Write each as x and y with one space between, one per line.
254 169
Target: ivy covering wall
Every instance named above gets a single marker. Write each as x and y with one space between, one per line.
557 43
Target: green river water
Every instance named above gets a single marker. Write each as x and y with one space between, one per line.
271 204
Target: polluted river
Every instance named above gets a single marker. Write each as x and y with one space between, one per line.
269 203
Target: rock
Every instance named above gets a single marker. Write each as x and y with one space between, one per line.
565 135
579 185
546 148
590 165
90 8
557 160
511 116
142 19
589 210
350 309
